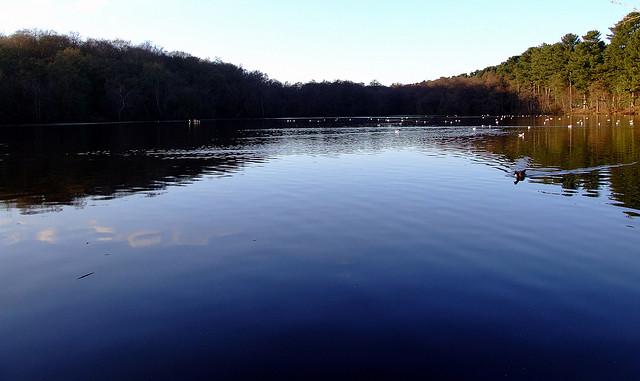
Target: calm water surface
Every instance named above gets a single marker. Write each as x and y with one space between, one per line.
326 249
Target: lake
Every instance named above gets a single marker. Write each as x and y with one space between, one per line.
322 248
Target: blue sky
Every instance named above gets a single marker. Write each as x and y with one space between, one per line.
403 41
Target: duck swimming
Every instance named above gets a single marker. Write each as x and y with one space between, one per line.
520 176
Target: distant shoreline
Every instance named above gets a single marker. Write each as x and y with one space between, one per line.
386 120
47 77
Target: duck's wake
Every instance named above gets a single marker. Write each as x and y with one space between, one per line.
522 169
545 172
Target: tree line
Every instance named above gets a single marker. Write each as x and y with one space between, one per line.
49 77
578 74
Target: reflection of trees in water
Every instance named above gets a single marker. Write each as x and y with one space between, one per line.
571 150
46 167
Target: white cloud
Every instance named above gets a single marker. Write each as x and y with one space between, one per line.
47 235
144 239
101 229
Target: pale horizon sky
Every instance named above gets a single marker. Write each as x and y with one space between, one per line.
403 41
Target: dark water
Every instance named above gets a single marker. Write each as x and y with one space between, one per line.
331 249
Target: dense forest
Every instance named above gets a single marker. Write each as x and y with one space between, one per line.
578 74
48 77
